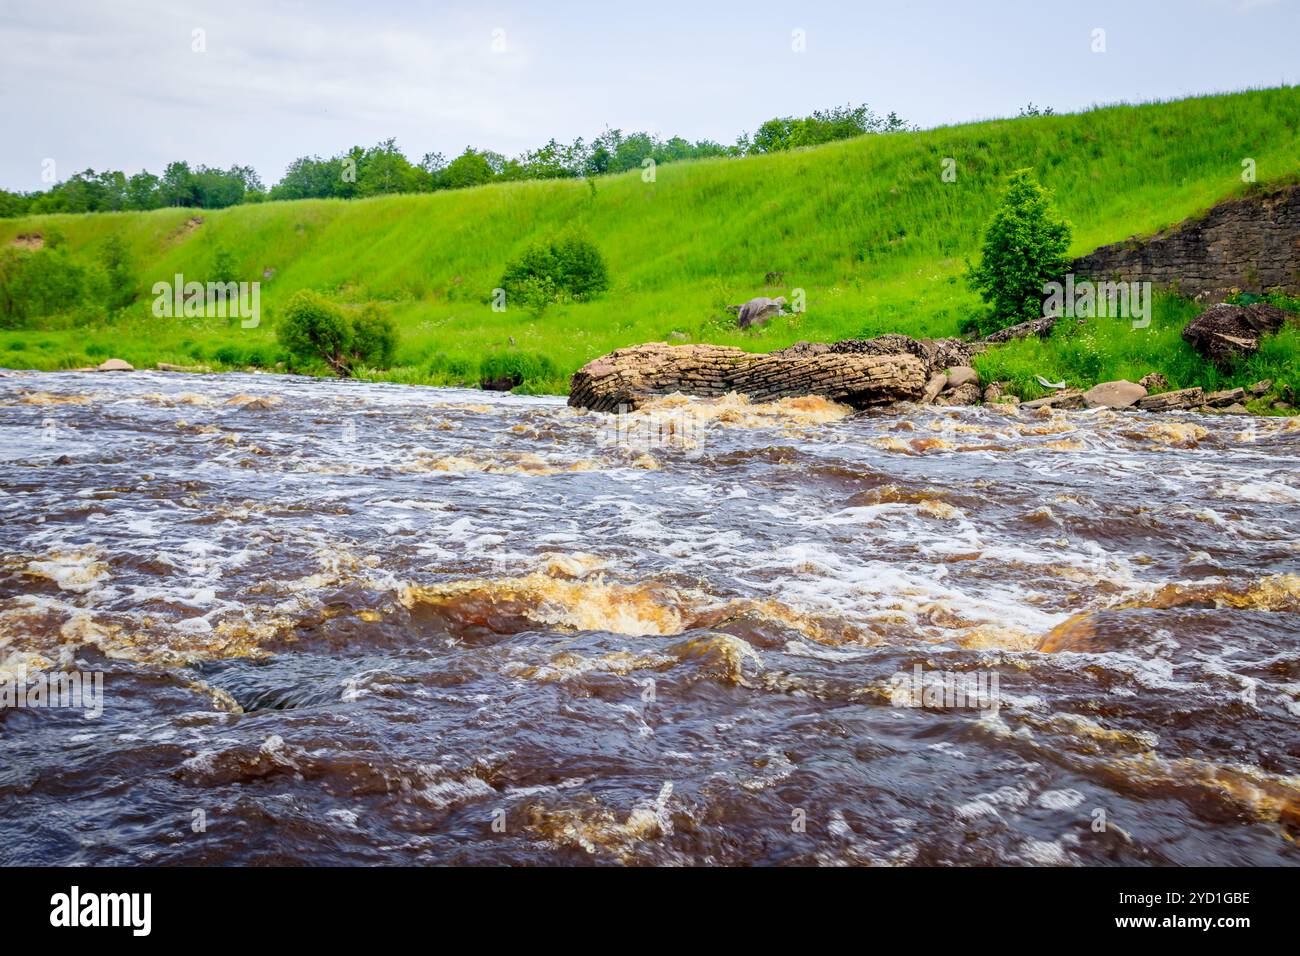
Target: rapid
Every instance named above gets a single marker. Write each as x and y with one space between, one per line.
350 623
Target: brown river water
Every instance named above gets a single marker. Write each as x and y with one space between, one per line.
345 623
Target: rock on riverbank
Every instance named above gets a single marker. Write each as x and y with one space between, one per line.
858 373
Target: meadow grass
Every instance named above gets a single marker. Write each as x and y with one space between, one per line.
867 228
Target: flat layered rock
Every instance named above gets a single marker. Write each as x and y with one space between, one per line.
168 367
1070 398
1023 330
628 377
1229 396
1181 400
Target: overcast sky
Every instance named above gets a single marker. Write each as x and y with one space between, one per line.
127 84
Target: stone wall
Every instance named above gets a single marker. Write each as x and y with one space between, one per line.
1250 244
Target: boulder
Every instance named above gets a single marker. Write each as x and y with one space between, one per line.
1120 394
967 393
759 310
1260 389
949 353
960 375
997 393
629 377
938 382
115 365
1225 333
257 405
1154 382
1181 400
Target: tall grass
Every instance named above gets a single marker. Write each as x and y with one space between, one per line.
866 227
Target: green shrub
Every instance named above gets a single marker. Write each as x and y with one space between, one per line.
534 293
259 357
516 367
583 273
34 284
314 330
74 360
374 338
568 268
223 266
1024 247
454 367
229 355
119 277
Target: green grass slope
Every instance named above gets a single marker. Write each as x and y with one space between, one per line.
866 227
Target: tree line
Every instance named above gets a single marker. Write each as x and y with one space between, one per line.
384 169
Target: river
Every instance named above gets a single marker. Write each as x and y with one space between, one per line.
352 623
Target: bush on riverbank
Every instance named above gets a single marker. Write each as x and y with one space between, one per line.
1025 246
314 331
528 370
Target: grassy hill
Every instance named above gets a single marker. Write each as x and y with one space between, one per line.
867 227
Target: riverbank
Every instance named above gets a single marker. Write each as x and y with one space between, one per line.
1078 354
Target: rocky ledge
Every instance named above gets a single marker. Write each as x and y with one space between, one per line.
1247 243
856 372
862 373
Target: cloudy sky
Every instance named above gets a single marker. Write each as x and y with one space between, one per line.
130 84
